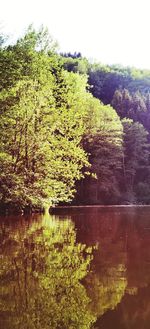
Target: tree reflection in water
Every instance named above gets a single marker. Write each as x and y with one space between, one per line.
41 273
106 291
49 280
119 285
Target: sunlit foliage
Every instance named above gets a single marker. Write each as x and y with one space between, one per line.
41 271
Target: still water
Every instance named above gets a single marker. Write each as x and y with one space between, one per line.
76 268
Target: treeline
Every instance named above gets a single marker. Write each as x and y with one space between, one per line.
104 80
122 168
56 137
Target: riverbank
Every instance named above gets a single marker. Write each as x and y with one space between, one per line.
4 210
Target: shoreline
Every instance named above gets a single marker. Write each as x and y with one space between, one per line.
67 207
100 206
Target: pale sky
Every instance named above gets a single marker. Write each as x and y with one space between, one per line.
110 31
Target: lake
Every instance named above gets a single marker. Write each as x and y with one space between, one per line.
76 268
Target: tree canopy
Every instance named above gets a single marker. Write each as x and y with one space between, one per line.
54 132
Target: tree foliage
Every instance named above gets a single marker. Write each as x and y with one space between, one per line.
42 123
136 167
103 143
53 131
43 266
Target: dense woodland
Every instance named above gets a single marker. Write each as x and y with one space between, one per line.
70 131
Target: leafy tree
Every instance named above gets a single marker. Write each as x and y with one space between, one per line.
104 80
47 103
122 102
137 112
103 144
136 157
76 64
46 95
132 105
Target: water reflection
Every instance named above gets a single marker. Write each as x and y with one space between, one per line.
50 279
41 273
119 281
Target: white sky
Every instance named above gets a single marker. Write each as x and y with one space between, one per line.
110 31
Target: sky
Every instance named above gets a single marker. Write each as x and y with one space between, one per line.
108 31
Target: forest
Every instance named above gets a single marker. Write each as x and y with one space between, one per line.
71 131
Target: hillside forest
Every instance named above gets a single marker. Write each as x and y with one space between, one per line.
71 131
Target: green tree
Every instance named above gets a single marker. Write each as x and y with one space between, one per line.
138 109
136 157
103 143
122 102
48 104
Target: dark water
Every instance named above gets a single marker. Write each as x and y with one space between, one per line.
79 268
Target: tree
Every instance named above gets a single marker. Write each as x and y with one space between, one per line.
138 108
102 142
136 157
122 102
49 104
